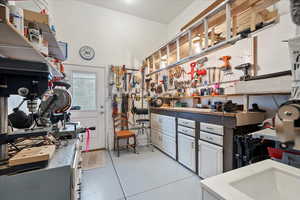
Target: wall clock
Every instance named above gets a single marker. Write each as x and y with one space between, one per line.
87 53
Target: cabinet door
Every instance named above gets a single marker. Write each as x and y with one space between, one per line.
186 151
210 160
169 145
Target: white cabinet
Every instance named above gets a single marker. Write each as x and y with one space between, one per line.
210 159
186 151
169 145
163 133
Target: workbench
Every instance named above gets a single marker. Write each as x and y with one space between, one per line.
57 181
227 124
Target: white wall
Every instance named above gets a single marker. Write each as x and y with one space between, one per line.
117 38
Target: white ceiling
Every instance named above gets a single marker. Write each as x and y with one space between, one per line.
163 11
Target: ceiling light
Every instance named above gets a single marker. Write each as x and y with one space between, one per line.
129 1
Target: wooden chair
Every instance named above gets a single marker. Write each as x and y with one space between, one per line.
122 131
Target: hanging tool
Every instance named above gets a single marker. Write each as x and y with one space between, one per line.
129 80
115 105
165 82
124 73
148 80
245 68
226 66
118 73
211 74
193 66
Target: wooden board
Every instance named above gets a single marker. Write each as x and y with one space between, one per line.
202 14
32 155
238 6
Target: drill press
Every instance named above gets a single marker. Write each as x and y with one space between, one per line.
24 78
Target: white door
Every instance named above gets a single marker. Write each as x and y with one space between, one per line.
210 159
186 151
88 92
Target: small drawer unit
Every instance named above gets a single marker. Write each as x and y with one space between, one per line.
210 150
186 123
212 128
208 137
186 131
187 143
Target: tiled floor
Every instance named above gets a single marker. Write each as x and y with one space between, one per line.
144 176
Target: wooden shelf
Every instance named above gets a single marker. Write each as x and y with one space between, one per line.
221 25
15 46
229 95
43 22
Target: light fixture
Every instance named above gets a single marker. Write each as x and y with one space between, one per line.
129 1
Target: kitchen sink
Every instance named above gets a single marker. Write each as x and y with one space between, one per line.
265 180
272 184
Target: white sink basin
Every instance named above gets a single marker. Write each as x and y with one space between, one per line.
272 184
266 180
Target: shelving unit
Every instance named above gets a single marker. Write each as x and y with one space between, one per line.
16 46
222 24
245 97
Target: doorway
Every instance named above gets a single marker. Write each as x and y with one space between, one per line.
88 92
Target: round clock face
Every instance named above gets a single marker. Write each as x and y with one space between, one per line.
87 53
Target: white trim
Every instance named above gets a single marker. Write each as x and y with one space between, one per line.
84 65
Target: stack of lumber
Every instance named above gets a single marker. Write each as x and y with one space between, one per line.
32 155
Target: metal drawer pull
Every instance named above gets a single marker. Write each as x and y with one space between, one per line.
210 138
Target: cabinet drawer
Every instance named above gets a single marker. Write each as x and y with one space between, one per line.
212 128
187 123
187 131
216 139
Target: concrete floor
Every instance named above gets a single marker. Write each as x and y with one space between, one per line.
144 176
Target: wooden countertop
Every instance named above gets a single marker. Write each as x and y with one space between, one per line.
242 118
195 110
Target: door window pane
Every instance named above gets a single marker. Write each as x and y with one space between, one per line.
84 90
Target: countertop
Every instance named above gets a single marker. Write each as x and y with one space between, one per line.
267 133
64 155
221 186
260 115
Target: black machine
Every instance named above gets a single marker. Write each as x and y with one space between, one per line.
24 78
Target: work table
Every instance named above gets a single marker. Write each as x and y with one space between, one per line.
240 118
177 131
56 181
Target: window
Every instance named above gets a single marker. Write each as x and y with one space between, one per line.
84 90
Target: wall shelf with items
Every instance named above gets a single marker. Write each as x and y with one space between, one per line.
222 24
14 45
184 46
173 55
44 23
